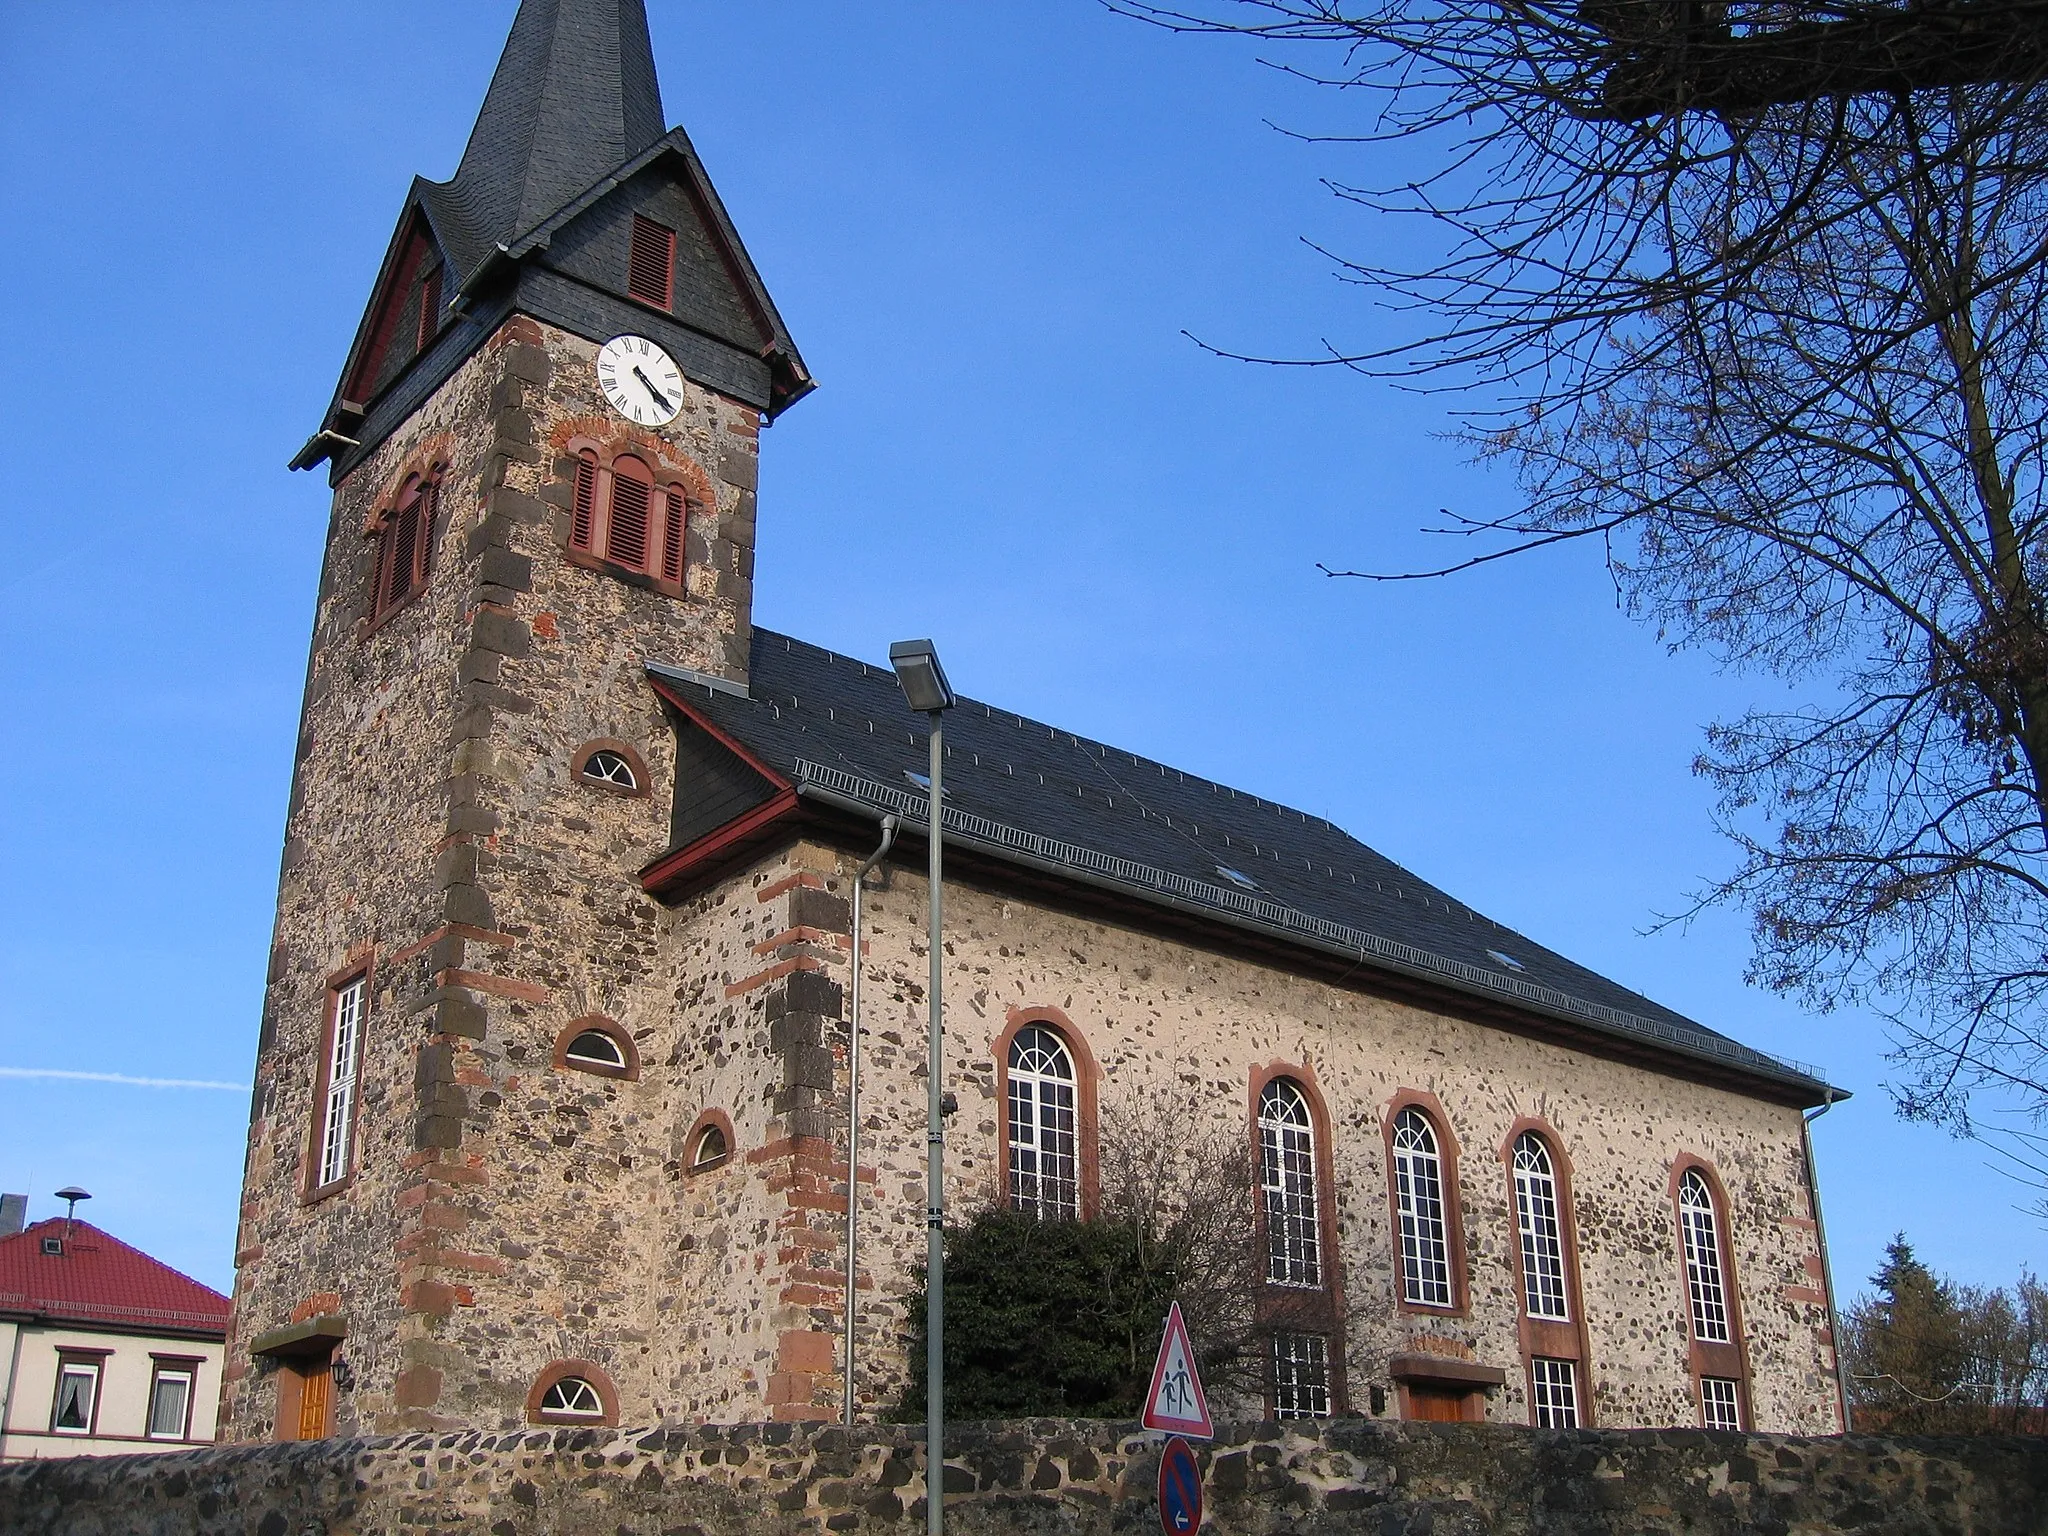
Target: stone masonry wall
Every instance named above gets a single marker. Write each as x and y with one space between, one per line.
1060 1479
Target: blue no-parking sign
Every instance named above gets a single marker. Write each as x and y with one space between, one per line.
1180 1489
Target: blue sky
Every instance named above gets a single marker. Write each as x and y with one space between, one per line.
988 227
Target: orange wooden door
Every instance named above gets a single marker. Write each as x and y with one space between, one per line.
1437 1405
316 1397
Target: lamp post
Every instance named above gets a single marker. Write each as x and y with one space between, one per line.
925 688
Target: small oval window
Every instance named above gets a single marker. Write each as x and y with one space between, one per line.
595 1048
573 1398
609 768
712 1148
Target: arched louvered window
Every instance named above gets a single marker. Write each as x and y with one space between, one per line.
1045 1172
405 540
1699 1229
1419 1196
1539 1219
1287 1180
626 530
623 515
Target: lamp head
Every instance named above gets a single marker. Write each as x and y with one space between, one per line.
922 678
73 1194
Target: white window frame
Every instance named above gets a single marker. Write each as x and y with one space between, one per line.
1721 1402
1301 1375
1427 1279
573 1397
93 1373
616 1061
1700 1230
185 1376
1043 1154
1553 1393
336 1146
1287 1180
1539 1219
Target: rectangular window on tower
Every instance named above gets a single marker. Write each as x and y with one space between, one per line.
651 264
334 1126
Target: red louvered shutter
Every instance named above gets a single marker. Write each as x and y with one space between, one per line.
632 492
651 263
380 577
405 548
672 538
430 308
583 529
429 502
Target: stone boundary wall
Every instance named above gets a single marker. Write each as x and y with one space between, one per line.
1045 1478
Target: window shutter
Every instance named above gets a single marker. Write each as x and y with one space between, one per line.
405 552
650 265
380 579
672 538
429 503
632 498
586 501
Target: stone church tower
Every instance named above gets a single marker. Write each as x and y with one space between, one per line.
516 524
550 1120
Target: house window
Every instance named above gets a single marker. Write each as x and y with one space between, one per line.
1537 1219
595 1048
430 308
711 1150
1554 1393
1700 1233
1720 1402
1301 1376
336 1139
1419 1195
405 538
78 1395
651 263
1044 1142
1287 1177
170 1402
605 766
571 1397
622 516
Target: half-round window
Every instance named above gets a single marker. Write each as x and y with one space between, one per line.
607 767
595 1048
1045 1168
711 1148
571 1397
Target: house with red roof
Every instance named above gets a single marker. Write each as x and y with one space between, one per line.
103 1349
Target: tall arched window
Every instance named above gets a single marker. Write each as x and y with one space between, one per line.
1287 1177
1044 1134
1699 1228
1419 1195
1538 1217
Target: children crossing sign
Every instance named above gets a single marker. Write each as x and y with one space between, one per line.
1176 1405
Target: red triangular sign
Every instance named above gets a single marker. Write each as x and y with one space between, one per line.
1176 1403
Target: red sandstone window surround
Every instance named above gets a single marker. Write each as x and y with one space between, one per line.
628 516
333 1153
1046 1082
599 1046
611 765
404 532
1545 1250
1718 1356
1422 1190
1300 1306
573 1392
710 1143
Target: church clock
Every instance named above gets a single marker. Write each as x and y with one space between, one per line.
640 380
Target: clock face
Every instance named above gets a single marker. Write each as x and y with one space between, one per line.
641 381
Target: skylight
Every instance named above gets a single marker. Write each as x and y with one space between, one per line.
1237 877
1507 960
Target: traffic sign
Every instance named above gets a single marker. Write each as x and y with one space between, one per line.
1180 1489
1176 1403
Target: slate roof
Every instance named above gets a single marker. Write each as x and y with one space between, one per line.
1027 793
99 1281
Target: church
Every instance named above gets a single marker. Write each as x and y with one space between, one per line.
550 1124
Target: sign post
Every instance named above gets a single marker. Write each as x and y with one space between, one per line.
1177 1406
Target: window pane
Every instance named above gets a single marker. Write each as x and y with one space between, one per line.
1044 1139
1720 1402
1554 1393
1419 1191
573 1395
1301 1376
1287 1178
1697 1227
76 1387
167 1398
1536 1215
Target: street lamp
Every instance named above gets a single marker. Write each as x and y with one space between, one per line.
925 688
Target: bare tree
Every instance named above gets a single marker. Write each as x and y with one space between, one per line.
1784 366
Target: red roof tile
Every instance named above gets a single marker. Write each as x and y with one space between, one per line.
101 1280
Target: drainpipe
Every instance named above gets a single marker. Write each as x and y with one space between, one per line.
1827 1269
853 1105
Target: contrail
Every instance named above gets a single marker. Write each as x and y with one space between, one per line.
116 1077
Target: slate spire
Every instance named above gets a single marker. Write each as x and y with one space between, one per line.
574 96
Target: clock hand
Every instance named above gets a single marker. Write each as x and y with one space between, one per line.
659 398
